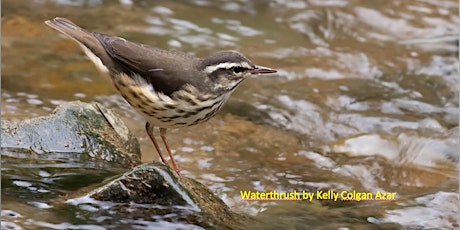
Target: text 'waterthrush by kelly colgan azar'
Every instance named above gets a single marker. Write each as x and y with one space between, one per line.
343 195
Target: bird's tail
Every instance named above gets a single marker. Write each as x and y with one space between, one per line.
90 45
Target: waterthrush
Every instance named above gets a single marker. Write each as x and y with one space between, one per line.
169 88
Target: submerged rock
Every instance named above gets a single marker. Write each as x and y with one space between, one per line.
85 132
152 193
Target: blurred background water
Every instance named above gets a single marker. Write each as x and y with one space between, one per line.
366 99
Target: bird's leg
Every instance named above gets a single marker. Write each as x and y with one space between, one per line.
163 136
149 129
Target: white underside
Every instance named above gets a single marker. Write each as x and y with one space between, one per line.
96 60
160 100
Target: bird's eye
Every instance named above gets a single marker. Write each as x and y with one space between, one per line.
238 69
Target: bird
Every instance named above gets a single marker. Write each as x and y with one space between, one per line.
170 88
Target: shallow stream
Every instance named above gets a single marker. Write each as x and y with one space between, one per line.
366 99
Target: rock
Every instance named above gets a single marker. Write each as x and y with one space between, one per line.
158 193
83 141
86 132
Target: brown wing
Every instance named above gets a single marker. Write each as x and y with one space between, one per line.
167 71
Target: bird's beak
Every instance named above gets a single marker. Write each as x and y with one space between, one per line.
262 70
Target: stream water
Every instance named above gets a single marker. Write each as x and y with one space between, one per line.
365 100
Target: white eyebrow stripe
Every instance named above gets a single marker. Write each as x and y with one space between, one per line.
226 65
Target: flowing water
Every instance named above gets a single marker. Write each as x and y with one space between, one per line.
365 99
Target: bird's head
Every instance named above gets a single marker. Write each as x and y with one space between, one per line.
227 69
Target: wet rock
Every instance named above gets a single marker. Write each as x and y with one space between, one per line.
84 132
76 145
154 194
